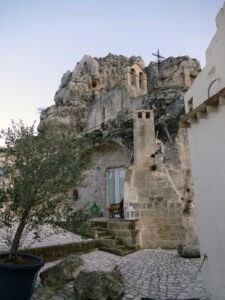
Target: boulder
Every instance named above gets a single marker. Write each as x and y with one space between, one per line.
189 250
99 285
66 270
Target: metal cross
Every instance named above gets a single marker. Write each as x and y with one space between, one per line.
158 56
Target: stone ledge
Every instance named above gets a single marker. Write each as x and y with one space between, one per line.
55 252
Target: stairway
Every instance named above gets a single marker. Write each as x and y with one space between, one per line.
108 242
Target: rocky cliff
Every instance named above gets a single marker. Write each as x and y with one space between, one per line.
173 71
90 79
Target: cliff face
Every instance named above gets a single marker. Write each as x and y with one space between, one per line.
93 78
173 71
90 79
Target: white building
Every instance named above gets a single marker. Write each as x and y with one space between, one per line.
205 117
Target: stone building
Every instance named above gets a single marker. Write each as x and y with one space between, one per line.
205 111
143 154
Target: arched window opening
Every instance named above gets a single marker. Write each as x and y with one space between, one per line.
141 83
94 83
133 77
85 67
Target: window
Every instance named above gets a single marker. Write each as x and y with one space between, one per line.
115 185
141 83
133 77
139 115
94 83
147 115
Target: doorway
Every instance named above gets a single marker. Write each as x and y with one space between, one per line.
115 185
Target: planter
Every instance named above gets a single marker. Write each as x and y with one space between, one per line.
17 282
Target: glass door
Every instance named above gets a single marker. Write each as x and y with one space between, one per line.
115 185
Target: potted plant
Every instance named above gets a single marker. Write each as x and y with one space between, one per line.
37 172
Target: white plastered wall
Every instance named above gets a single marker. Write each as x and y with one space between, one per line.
214 69
207 146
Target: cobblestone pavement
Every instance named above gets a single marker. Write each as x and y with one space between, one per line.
48 236
156 274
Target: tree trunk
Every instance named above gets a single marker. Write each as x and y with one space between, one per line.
16 240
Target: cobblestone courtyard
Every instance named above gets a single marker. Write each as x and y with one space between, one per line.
155 274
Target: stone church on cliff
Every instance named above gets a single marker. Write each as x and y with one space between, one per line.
143 156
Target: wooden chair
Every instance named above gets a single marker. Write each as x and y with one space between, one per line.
116 209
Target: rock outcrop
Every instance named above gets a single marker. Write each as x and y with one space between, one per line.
99 285
173 71
91 78
65 271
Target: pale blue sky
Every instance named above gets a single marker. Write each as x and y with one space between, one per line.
42 39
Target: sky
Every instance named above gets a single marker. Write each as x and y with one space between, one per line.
41 40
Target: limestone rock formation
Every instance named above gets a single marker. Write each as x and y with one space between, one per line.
179 71
99 285
65 271
91 78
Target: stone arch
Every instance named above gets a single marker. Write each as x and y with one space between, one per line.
133 77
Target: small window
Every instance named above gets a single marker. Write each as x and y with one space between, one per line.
94 83
147 115
85 67
75 195
139 115
133 77
141 83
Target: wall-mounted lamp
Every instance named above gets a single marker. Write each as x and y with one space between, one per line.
153 167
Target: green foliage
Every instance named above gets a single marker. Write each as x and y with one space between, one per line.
39 171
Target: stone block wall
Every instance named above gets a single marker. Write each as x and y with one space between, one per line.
125 230
162 204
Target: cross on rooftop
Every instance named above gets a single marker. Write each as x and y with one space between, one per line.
158 56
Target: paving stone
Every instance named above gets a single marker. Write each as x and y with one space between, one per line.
143 276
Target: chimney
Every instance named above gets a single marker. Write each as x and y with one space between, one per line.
144 137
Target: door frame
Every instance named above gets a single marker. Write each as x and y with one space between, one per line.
117 184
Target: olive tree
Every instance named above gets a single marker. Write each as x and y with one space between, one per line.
38 171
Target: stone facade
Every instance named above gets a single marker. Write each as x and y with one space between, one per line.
135 110
159 186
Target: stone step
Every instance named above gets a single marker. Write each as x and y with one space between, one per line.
110 243
121 246
112 250
98 228
106 237
118 251
99 234
102 224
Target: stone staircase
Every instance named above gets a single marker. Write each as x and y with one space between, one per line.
107 241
